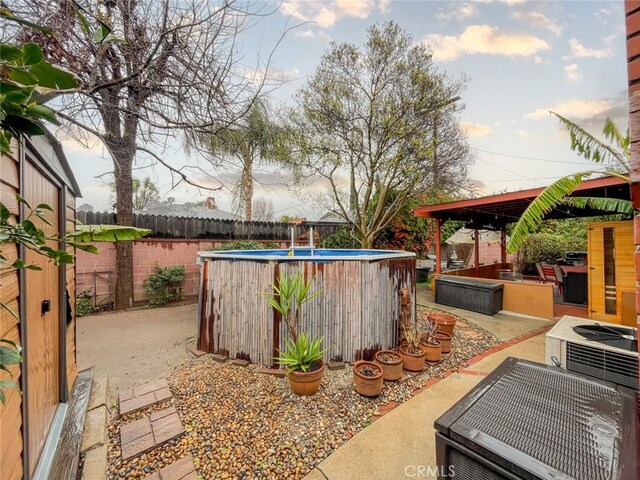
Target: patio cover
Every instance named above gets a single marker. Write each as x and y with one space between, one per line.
496 211
467 235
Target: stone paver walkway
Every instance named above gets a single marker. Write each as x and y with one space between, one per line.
182 469
149 432
143 396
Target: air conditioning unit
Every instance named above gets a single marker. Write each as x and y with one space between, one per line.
598 349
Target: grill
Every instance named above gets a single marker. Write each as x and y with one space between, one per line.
607 365
531 421
572 258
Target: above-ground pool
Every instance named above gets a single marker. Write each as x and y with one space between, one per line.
357 312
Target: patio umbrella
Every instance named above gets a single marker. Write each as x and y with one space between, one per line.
465 236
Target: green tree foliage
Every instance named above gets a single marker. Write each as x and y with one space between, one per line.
614 156
342 237
144 193
247 143
408 232
367 115
544 248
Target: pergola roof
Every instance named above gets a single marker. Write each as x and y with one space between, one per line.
495 211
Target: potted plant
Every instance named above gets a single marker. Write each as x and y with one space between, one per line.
445 321
445 339
391 363
303 357
430 344
368 378
411 353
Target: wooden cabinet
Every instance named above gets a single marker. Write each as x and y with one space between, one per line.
611 270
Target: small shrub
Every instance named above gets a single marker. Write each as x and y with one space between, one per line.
84 303
247 245
165 285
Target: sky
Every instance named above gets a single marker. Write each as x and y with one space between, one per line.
521 60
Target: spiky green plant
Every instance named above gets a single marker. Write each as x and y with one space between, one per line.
301 353
615 157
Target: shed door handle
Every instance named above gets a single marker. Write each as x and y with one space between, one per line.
45 307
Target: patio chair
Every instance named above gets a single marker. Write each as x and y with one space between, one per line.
540 278
550 274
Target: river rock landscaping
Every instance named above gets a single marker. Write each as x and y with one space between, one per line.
241 424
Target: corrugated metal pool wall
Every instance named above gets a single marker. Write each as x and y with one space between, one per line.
357 311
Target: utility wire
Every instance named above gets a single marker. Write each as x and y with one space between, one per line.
530 158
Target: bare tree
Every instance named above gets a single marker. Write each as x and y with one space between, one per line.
364 125
263 210
149 70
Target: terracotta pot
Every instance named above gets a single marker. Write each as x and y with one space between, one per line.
391 370
432 353
306 383
445 340
414 362
445 321
365 385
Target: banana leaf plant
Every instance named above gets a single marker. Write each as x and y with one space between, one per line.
615 157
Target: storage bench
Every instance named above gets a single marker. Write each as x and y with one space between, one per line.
469 294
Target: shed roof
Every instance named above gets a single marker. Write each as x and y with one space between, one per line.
496 211
50 151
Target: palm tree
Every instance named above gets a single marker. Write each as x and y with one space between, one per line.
614 156
249 142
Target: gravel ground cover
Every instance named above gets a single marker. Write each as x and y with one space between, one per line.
241 424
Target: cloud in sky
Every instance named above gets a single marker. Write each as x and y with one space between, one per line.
273 74
577 110
475 129
457 11
485 39
315 35
538 20
578 50
572 73
326 14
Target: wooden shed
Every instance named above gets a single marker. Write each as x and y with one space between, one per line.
612 272
30 420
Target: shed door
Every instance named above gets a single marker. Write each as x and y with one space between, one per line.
42 330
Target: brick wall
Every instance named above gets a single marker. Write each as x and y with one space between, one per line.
489 253
97 272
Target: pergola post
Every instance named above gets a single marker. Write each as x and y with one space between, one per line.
503 245
438 252
476 251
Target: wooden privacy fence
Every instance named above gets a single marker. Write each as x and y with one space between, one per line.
208 228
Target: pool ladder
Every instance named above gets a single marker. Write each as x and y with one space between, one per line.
293 247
